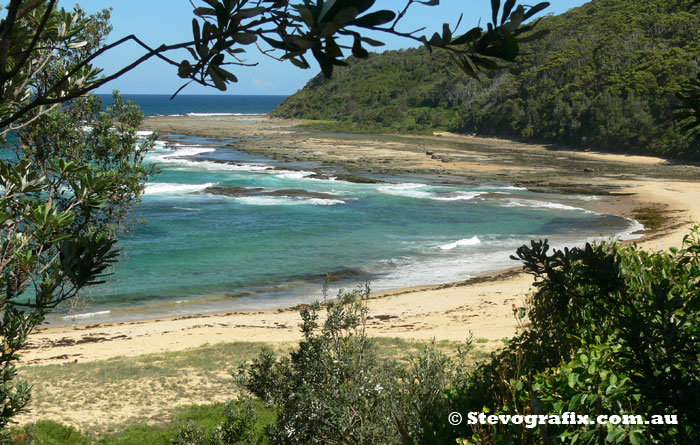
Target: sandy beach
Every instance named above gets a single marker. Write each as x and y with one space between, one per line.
448 312
480 307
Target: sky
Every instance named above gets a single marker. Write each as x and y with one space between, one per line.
169 21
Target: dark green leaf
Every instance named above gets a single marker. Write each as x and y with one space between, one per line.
495 7
535 9
195 31
216 78
507 8
358 51
374 19
245 38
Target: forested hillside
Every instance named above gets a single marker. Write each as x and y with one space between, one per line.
604 78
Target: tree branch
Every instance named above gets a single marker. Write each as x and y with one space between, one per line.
35 40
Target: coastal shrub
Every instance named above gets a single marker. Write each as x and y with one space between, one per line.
240 426
609 330
47 432
52 250
613 330
334 388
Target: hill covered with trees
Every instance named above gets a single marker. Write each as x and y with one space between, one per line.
605 77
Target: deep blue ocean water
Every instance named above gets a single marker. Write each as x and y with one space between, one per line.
184 104
200 252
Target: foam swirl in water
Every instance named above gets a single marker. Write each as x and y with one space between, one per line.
473 241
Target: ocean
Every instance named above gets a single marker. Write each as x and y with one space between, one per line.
202 252
161 105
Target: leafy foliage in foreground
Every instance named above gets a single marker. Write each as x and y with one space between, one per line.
67 190
334 389
607 76
612 331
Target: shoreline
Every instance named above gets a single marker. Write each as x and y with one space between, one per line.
449 311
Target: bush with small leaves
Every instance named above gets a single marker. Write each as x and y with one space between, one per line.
613 330
334 388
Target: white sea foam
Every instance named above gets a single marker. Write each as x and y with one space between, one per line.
215 114
532 203
503 187
189 151
216 166
163 155
632 232
473 241
179 157
460 265
283 200
85 315
292 174
416 190
408 189
458 196
159 188
325 202
143 133
187 209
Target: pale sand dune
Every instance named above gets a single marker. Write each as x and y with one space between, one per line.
447 313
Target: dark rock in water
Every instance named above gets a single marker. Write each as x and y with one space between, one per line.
347 177
357 179
235 192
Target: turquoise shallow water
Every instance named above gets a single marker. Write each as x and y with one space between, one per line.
200 252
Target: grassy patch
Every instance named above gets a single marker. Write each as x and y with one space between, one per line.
207 417
103 396
126 394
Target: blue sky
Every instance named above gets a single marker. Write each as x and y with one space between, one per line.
169 21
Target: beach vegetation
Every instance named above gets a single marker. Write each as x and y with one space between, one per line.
609 330
148 388
69 175
67 191
334 386
204 419
63 203
612 330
